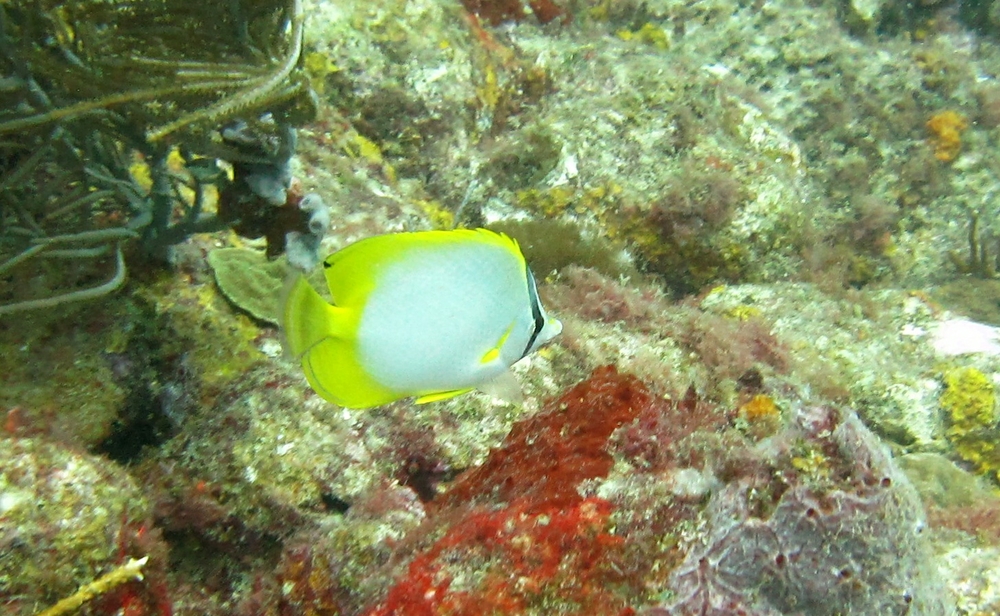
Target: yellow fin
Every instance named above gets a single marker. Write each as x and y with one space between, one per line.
352 272
494 353
491 355
306 318
323 338
442 395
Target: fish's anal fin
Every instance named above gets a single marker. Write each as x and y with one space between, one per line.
504 386
441 395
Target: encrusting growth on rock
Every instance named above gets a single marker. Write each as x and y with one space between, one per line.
131 570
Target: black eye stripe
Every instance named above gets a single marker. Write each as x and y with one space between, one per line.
536 311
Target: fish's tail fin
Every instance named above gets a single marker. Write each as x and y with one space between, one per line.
323 338
306 318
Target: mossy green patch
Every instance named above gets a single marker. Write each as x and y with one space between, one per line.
64 349
550 245
978 298
217 345
525 160
253 283
249 280
941 482
969 402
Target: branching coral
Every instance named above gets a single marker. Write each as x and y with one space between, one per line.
41 244
103 58
99 97
131 570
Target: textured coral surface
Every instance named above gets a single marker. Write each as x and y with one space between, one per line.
759 224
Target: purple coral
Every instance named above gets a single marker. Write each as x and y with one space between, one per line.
842 538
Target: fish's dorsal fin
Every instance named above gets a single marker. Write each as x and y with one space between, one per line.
352 272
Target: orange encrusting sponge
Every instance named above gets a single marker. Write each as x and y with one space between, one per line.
946 129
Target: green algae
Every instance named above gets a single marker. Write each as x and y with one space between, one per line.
941 481
969 401
252 282
978 298
68 512
249 280
218 347
550 245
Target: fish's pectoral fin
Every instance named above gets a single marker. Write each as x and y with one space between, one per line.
504 386
494 354
441 395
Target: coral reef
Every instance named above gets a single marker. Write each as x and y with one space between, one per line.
821 542
969 402
769 165
946 134
589 505
342 564
65 519
524 555
516 535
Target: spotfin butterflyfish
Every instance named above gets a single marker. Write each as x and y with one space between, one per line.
429 315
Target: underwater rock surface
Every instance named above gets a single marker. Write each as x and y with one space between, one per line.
830 526
65 518
765 227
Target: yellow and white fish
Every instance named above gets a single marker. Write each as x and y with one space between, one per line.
431 315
